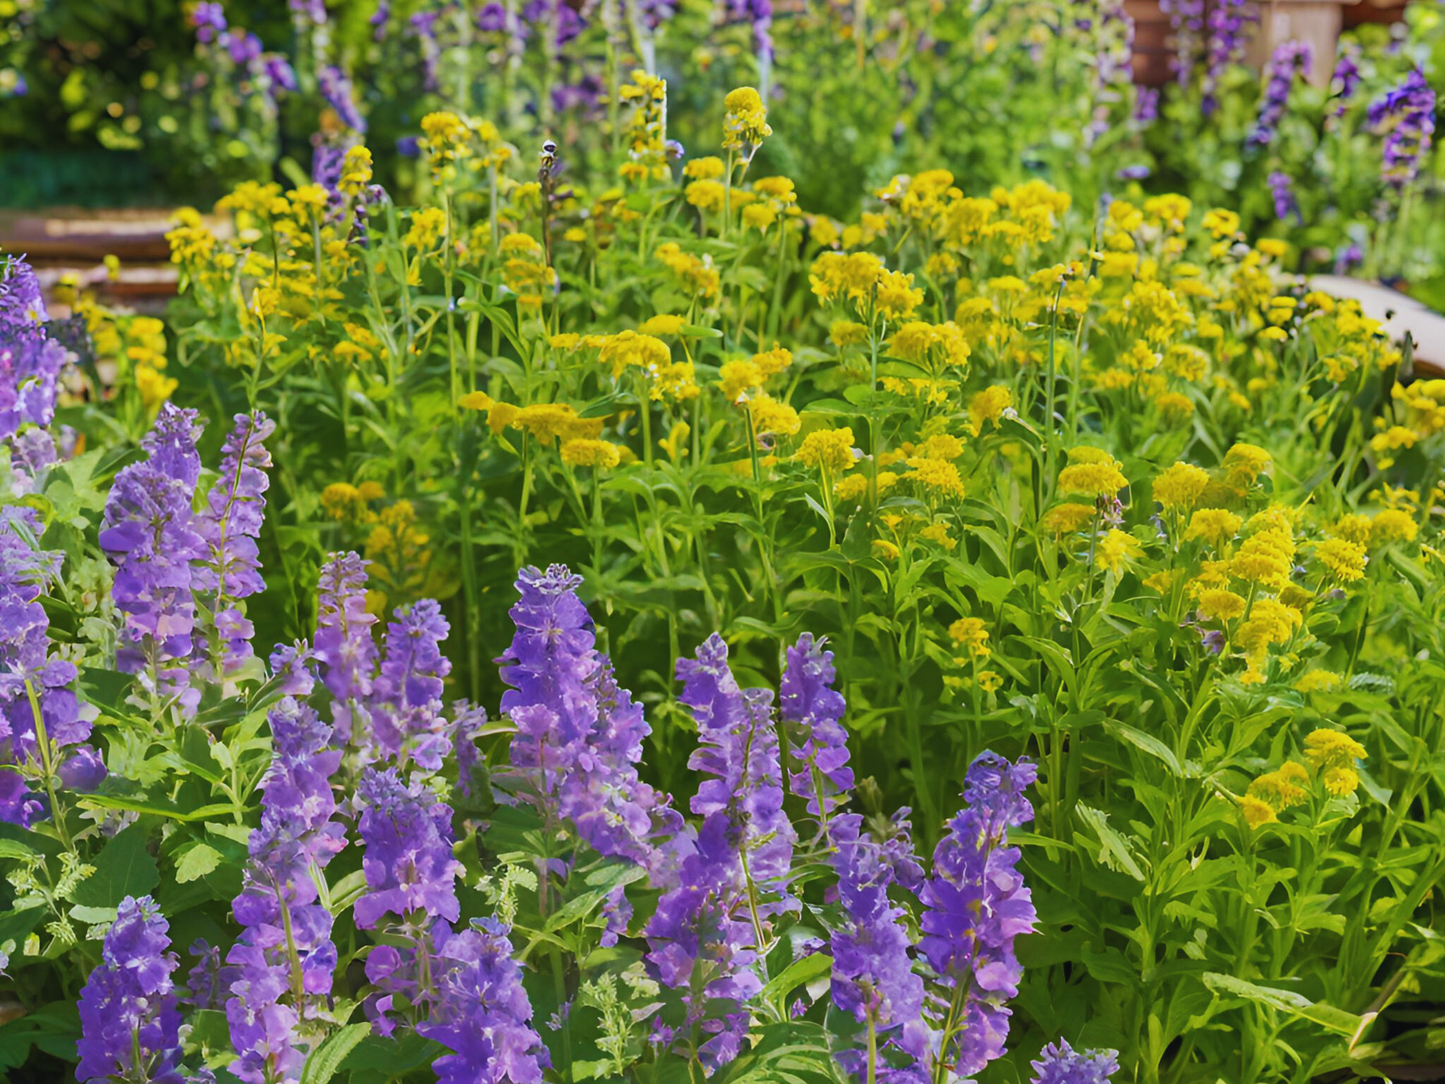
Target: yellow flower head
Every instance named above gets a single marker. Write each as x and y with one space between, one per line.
1092 473
828 449
1180 486
1067 518
581 452
1344 559
746 122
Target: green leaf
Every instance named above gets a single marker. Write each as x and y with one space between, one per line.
13 848
798 973
197 862
326 1059
1147 742
1116 853
124 868
1327 1016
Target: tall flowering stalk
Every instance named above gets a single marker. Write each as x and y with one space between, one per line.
284 959
707 932
1290 58
230 525
43 725
1406 115
812 711
411 875
344 646
873 977
407 694
129 1023
579 735
150 535
975 905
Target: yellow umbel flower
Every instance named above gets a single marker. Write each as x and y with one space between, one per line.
828 449
582 452
1333 754
746 122
1180 486
1092 475
1344 559
971 634
1067 518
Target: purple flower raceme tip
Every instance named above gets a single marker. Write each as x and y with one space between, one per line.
336 88
873 977
1406 117
812 711
408 860
22 307
579 735
406 703
230 525
283 963
1282 190
343 646
1059 1063
975 905
209 19
129 1023
707 931
26 573
30 359
1346 77
151 537
1290 58
482 1013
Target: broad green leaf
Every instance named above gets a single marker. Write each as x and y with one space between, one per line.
1327 1016
198 861
123 868
326 1059
798 973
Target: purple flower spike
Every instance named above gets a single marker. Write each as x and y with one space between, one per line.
336 88
1062 1064
813 710
130 1027
482 1012
230 525
344 647
1406 115
284 959
976 904
1290 58
151 536
873 974
407 696
408 861
579 735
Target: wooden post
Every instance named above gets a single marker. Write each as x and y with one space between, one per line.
1314 22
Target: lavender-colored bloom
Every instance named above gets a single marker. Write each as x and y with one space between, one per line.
563 21
976 904
1146 104
25 668
22 308
1406 116
344 647
150 535
705 933
291 665
29 368
813 711
873 976
1346 77
242 46
32 455
209 980
482 1012
423 27
230 525
406 713
408 861
313 11
130 1027
1228 36
1186 20
467 724
579 735
208 19
738 748
1062 1064
1348 258
284 957
379 18
654 13
1133 173
278 72
757 13
1290 58
336 88
1282 190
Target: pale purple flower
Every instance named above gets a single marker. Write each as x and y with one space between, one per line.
408 859
1406 116
343 646
482 1013
975 905
1290 58
129 1023
1282 190
406 712
1061 1064
812 712
336 88
208 19
151 537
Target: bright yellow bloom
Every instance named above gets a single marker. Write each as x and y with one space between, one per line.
746 122
1217 604
1393 525
1115 548
938 475
1067 518
988 406
828 449
1098 478
1214 525
1344 559
971 634
704 169
662 324
581 452
1180 486
1318 681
